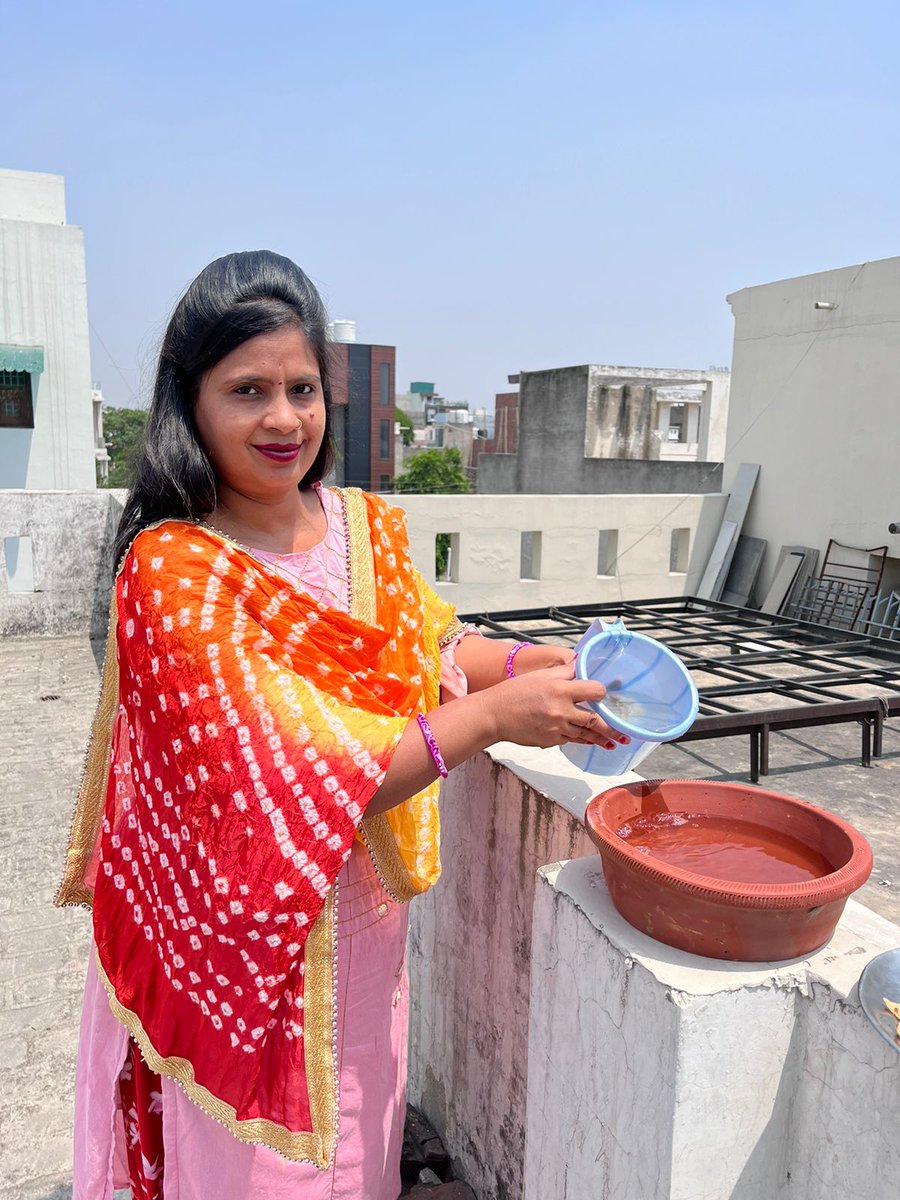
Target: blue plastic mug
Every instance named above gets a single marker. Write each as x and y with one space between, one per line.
650 696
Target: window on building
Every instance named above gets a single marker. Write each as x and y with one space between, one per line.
19 564
384 383
16 408
607 551
446 557
679 549
530 555
384 438
385 483
677 423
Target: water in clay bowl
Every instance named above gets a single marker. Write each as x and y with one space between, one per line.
726 870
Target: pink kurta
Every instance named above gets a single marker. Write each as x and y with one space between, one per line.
202 1159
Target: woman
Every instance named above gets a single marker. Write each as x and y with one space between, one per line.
260 794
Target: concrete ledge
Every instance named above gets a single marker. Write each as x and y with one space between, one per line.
658 1074
72 535
551 774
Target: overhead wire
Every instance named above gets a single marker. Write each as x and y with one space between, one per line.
132 393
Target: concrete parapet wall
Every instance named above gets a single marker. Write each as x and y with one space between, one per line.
470 963
489 530
72 535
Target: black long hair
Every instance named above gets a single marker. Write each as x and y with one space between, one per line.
233 299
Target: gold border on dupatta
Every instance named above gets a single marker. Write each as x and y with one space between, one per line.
453 630
375 831
92 791
315 1146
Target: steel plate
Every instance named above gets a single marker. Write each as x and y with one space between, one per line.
879 981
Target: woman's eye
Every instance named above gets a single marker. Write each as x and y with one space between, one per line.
245 389
304 389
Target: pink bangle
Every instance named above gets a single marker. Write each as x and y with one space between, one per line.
511 656
432 745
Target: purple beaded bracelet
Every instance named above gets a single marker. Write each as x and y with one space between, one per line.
511 657
432 745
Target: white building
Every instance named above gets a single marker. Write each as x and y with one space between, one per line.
686 419
46 417
814 397
101 453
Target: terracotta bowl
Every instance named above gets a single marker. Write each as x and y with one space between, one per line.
747 922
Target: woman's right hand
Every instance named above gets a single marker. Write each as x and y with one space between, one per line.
542 708
538 708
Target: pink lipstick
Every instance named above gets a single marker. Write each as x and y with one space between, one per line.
279 453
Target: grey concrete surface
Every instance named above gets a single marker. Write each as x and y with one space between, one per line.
48 690
71 535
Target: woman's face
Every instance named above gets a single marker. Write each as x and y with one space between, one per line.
260 413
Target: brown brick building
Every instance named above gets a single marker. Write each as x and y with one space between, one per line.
363 414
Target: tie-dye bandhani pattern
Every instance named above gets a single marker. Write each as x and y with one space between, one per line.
253 727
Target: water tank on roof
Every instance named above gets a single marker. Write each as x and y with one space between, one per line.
343 330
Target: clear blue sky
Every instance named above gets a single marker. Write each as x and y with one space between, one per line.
488 186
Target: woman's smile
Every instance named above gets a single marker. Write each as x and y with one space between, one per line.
281 454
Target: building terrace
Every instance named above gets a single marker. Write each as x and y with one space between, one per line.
556 1050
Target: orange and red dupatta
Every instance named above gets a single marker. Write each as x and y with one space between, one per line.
242 731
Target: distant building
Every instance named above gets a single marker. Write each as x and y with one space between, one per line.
418 402
438 423
594 429
363 413
101 453
505 436
424 406
46 420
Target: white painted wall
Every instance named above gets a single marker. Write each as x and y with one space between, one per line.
814 399
71 535
470 956
714 416
43 302
490 528
32 196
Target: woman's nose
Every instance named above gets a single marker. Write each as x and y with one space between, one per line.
280 413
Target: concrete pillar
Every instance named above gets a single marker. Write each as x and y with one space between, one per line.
665 1076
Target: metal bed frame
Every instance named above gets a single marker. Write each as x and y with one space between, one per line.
804 674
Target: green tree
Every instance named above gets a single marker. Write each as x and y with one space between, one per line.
436 471
406 430
123 430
